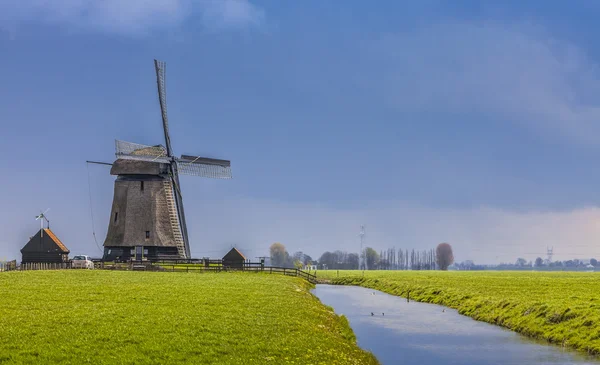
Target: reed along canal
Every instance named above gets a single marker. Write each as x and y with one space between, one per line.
405 333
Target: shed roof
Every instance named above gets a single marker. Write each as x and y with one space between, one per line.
56 240
235 250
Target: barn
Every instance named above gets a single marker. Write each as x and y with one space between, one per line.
45 247
234 259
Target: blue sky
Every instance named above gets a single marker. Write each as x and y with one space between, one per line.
427 121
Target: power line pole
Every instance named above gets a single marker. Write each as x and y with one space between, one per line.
362 258
549 253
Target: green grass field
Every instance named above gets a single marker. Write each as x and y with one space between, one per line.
117 317
560 307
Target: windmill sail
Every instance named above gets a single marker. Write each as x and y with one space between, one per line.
161 79
141 152
161 82
204 167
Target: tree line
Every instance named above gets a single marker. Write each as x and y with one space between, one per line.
391 259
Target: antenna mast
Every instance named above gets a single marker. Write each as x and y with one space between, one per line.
41 217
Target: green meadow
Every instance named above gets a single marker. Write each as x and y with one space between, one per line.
559 307
117 317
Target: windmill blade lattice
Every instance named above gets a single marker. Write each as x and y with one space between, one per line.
204 167
204 170
161 80
141 152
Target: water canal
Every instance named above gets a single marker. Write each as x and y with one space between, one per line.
401 333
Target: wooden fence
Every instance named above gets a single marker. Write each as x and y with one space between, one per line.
170 266
248 268
8 265
44 266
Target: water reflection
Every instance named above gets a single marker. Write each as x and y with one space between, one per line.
427 334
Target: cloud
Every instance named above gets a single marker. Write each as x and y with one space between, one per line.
515 72
486 235
220 14
511 73
131 16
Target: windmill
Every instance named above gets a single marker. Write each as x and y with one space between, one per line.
41 217
147 216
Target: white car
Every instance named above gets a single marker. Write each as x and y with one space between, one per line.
82 262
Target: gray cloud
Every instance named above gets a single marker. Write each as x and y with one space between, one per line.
518 73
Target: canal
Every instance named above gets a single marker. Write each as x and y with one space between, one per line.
402 333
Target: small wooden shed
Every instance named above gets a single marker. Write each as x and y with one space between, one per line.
234 259
45 247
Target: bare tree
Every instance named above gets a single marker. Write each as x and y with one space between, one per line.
444 256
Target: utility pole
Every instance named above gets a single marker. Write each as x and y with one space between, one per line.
362 258
550 253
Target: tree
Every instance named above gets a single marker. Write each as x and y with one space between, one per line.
307 260
279 256
326 260
352 261
539 262
521 262
371 258
444 256
299 255
594 262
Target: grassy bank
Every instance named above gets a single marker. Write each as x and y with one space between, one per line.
560 307
112 317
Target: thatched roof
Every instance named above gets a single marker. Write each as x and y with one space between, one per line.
136 167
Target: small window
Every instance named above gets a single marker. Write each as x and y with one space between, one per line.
116 216
141 185
147 235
